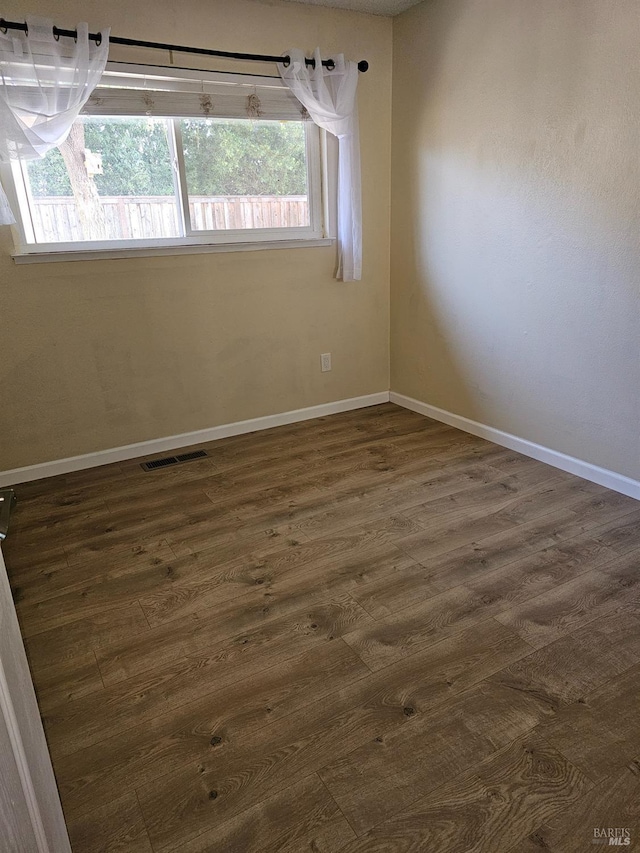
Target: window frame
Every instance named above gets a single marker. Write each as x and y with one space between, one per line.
316 233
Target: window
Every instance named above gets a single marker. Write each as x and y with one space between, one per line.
166 161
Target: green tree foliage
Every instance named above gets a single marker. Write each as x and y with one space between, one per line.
244 157
135 156
49 175
222 157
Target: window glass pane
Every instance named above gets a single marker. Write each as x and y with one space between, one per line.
112 179
245 174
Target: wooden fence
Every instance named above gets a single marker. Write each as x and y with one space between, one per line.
139 217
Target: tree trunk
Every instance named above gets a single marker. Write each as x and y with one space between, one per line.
90 212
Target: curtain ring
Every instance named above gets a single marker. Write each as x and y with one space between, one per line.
56 34
330 64
26 29
98 39
3 29
286 60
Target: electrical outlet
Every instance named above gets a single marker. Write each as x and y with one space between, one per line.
325 362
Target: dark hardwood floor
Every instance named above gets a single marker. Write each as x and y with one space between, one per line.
368 632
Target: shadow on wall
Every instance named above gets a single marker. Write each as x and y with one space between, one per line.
426 361
516 238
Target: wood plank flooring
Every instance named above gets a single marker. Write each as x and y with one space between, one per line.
368 632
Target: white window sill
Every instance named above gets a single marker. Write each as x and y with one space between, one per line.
153 251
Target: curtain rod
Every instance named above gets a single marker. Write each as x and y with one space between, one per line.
363 65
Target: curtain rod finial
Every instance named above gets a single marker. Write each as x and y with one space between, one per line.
363 65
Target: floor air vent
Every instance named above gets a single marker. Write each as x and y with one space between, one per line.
172 460
187 457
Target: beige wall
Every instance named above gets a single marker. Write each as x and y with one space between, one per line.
515 219
97 354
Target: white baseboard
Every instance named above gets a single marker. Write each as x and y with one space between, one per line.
602 476
186 439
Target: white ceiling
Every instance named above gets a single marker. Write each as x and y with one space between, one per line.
375 7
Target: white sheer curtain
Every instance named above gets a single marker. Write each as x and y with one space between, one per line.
44 83
329 96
